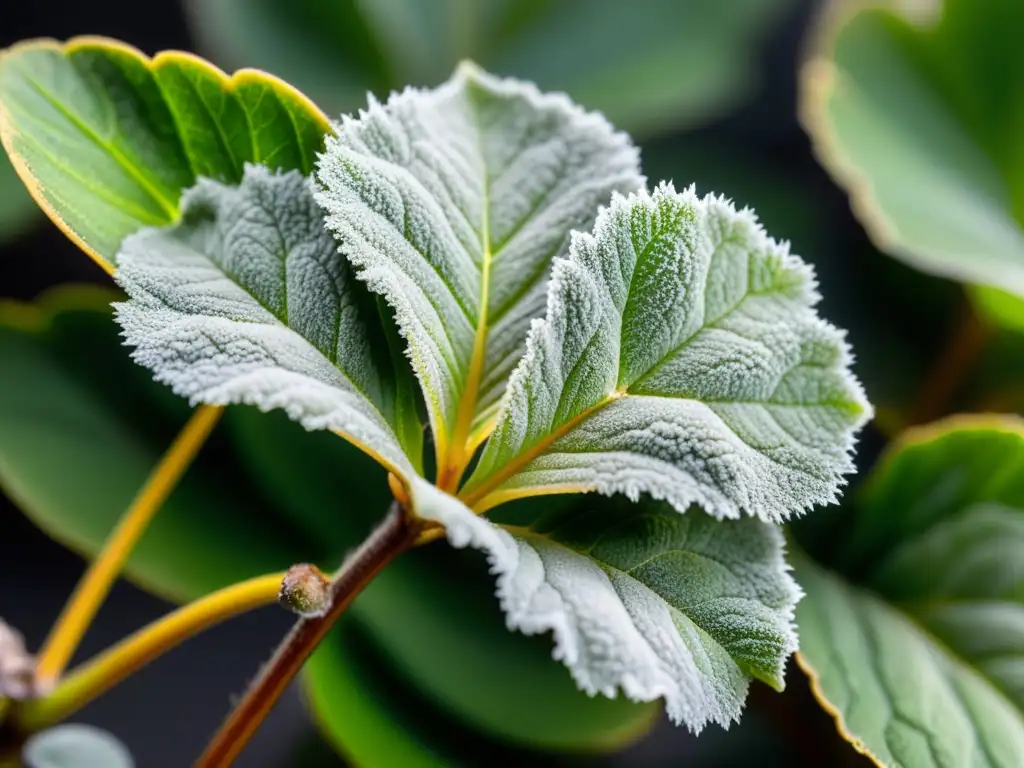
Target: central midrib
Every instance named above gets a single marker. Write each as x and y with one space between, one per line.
452 460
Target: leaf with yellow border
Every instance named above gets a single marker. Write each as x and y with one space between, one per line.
106 138
917 110
910 629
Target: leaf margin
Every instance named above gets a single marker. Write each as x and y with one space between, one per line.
912 437
230 83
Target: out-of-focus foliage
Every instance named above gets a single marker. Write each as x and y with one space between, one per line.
912 637
649 66
919 113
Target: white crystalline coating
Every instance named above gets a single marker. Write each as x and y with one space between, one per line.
248 301
447 197
681 357
642 600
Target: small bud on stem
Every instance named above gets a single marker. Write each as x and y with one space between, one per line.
17 666
305 590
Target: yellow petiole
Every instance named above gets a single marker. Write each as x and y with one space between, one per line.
94 586
105 671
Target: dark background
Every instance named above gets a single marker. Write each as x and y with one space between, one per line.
166 712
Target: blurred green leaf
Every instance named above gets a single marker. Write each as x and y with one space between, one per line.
920 117
110 137
912 638
18 210
81 426
648 66
75 746
1004 309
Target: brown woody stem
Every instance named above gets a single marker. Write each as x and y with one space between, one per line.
963 350
394 535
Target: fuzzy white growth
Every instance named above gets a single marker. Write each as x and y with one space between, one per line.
681 357
651 630
246 301
435 192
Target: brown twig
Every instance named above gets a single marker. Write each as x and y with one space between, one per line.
393 536
945 378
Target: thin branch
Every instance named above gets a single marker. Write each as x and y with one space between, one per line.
393 536
94 586
105 671
952 367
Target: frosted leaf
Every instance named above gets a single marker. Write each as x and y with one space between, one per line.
452 204
681 356
246 300
641 599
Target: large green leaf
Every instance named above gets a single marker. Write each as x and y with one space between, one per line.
649 67
913 636
681 356
920 117
452 204
106 139
641 599
79 422
17 211
247 301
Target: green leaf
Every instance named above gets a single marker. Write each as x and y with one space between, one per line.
452 204
681 356
81 426
649 67
106 139
913 638
997 306
641 599
18 211
920 118
247 301
75 746
499 683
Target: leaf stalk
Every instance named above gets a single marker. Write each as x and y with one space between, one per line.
95 585
395 534
105 671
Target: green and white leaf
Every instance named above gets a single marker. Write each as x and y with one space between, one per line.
912 629
108 138
75 746
452 204
641 599
681 356
247 301
917 109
